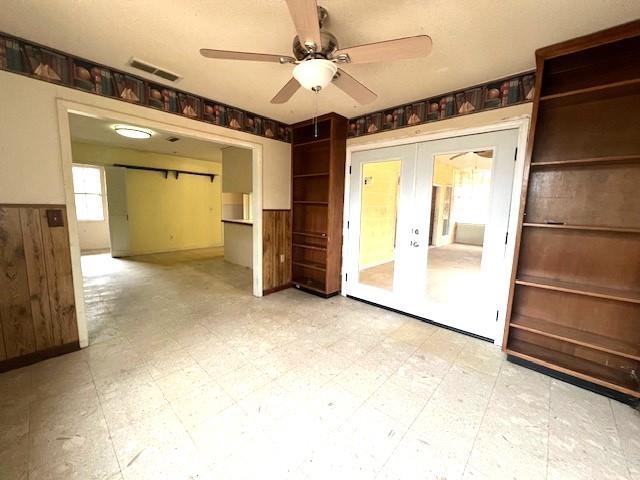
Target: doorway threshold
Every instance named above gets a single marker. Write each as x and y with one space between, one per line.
423 319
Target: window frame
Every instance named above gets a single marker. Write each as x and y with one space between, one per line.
80 193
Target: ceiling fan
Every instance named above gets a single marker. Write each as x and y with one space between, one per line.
316 55
480 153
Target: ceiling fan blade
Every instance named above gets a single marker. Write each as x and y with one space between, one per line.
353 88
305 17
254 57
398 49
485 153
286 92
480 153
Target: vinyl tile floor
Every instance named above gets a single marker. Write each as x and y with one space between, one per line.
190 377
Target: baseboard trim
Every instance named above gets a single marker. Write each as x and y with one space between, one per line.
35 357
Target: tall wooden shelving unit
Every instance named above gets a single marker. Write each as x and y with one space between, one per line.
318 160
575 295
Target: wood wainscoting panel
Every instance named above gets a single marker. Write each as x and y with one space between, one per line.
37 303
37 276
15 304
59 277
276 250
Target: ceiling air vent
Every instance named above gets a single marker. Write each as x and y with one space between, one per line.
147 67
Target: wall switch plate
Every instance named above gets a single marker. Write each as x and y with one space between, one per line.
282 258
55 218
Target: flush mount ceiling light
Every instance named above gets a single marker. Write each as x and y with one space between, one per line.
133 132
315 74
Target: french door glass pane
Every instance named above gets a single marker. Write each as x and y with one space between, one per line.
460 200
378 219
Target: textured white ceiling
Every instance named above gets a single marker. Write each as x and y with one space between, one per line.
94 130
473 41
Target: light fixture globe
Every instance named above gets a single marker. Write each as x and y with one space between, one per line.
315 74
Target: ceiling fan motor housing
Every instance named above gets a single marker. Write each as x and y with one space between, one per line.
328 40
329 46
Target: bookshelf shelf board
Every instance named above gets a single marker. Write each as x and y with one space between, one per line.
312 265
311 234
308 283
310 247
589 161
574 366
592 93
579 289
308 175
311 142
311 202
576 336
588 228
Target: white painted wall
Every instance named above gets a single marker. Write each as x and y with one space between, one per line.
30 158
238 243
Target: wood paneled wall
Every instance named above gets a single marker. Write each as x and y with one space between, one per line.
37 305
276 250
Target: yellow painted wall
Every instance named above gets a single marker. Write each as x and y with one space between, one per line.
378 216
164 214
442 177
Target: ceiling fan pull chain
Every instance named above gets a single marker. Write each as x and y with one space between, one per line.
315 115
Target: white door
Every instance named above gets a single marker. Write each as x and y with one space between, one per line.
443 261
381 195
116 181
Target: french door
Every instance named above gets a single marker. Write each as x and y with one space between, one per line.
427 228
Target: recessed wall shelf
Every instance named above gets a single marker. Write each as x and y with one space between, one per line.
317 160
606 160
574 304
312 265
576 336
579 289
311 234
582 227
310 247
588 94
577 367
312 142
307 175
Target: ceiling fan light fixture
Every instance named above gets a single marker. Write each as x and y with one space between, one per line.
315 74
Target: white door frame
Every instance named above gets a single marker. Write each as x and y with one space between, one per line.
522 125
64 108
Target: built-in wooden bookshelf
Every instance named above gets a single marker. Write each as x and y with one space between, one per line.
318 159
575 297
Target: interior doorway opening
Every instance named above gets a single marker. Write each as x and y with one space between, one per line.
170 213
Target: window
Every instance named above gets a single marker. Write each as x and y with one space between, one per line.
87 187
471 191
